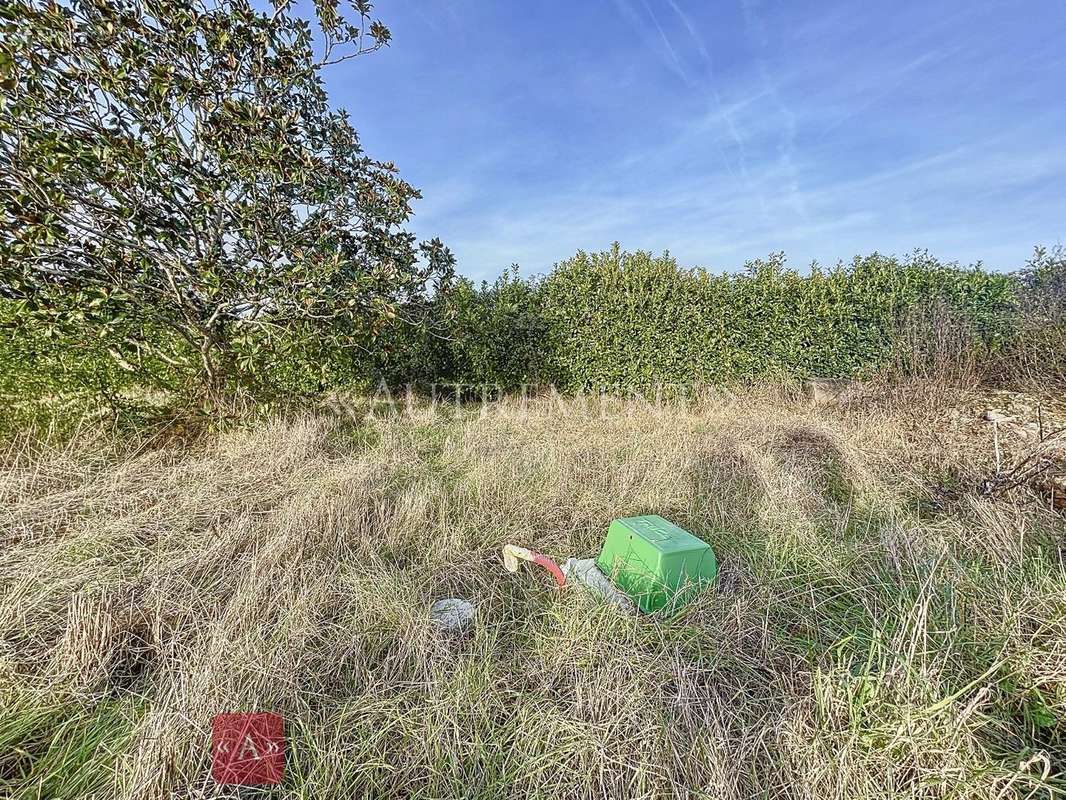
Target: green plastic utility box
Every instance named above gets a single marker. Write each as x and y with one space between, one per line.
655 562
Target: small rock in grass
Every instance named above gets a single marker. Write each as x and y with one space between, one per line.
992 415
452 615
1029 431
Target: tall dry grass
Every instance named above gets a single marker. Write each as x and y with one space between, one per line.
878 629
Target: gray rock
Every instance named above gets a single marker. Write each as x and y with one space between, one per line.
994 415
452 615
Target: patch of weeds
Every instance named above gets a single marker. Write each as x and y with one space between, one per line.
813 598
63 750
838 487
349 435
811 454
937 497
726 493
1033 709
431 441
866 517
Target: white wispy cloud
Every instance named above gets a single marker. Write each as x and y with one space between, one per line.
675 60
697 39
640 23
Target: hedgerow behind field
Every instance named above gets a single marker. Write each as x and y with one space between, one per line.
625 320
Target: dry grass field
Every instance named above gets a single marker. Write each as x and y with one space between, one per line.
881 627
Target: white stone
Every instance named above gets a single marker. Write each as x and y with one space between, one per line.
452 614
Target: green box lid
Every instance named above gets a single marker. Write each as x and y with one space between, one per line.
655 562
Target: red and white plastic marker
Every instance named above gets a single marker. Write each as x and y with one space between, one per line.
512 554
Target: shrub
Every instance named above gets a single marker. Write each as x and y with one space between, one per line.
1038 353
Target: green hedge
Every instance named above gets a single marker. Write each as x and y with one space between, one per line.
629 320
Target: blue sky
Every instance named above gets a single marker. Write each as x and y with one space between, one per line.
721 131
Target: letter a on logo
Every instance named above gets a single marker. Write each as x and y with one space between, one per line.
247 749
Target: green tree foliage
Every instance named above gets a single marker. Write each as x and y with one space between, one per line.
500 332
178 199
495 333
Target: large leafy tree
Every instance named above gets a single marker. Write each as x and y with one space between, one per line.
176 190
